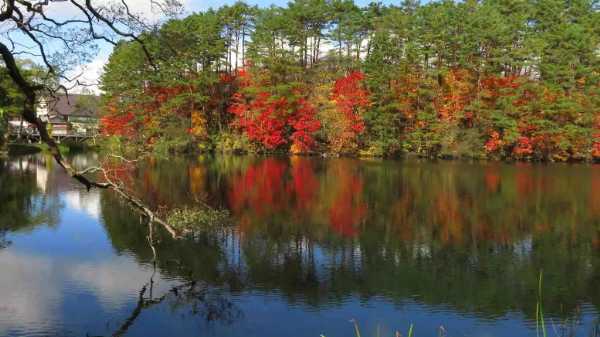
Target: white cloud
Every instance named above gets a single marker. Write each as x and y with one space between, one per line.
87 202
29 291
33 288
115 282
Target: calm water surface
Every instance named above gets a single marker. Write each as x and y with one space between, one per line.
316 243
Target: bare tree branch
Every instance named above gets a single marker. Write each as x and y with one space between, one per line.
31 21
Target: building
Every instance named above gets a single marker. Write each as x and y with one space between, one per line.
73 115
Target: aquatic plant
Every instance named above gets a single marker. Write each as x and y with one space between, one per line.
539 312
194 220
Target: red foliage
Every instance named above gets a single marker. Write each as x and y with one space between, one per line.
500 86
120 120
596 147
262 119
494 143
305 124
115 124
226 78
524 146
349 95
273 121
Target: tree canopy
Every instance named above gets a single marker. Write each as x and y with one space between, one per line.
493 78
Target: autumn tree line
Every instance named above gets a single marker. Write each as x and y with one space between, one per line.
503 79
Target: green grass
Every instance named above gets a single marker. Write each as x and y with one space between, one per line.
397 333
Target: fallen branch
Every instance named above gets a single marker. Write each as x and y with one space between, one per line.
21 14
29 115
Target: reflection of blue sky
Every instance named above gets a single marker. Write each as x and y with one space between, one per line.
47 273
270 315
77 234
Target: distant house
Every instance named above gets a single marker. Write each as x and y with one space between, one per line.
76 114
72 115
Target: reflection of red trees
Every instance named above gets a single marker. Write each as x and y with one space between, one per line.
197 176
260 188
595 193
347 209
271 186
263 188
524 181
304 183
402 210
448 215
492 179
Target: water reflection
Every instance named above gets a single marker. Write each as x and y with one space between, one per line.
318 242
321 231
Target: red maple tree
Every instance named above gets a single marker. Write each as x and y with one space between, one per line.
272 120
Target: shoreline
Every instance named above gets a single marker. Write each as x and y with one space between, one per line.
16 149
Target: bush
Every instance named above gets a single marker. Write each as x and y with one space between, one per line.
228 142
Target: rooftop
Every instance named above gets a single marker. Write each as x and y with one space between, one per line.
74 105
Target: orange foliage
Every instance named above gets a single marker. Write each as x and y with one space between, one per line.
494 142
596 141
458 92
350 97
115 123
524 147
405 89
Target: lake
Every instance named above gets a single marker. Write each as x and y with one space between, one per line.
317 246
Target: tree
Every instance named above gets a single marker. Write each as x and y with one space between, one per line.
273 119
474 78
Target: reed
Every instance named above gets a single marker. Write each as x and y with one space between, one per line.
540 324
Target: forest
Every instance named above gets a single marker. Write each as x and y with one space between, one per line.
497 79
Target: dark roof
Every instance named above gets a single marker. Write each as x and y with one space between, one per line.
74 105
